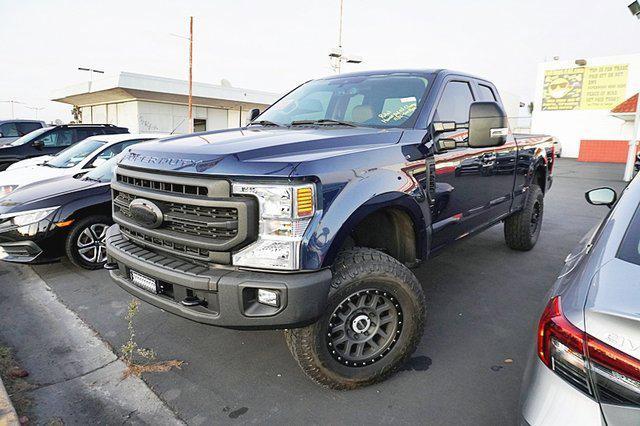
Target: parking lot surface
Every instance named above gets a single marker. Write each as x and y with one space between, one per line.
484 301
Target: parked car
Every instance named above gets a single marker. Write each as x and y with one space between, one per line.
11 130
51 140
308 219
586 367
66 215
78 158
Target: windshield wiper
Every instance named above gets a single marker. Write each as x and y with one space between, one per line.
265 123
323 121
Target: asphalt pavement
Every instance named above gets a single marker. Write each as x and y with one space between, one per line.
483 299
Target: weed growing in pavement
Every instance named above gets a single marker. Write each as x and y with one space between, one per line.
132 352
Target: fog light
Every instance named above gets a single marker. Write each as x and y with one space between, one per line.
269 297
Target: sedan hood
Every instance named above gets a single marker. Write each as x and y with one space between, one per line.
30 162
48 193
256 151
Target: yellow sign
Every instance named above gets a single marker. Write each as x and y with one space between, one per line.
601 87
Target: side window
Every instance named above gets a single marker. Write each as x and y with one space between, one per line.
455 102
82 134
57 138
24 128
9 130
486 93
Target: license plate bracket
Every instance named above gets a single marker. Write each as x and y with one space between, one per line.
144 282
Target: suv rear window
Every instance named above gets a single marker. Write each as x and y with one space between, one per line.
630 248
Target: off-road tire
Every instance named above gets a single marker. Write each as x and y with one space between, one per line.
519 231
71 243
368 274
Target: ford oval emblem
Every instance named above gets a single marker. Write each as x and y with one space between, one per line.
146 213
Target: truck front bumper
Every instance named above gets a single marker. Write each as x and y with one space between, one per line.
217 296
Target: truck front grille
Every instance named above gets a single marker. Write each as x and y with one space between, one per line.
194 226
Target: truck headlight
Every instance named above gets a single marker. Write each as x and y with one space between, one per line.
28 217
285 213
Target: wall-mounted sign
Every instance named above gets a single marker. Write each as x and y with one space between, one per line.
601 87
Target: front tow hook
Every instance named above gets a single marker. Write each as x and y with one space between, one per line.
110 266
192 301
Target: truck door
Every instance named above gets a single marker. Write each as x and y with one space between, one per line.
472 189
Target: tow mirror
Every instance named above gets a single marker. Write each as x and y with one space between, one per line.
254 114
488 125
601 197
445 144
444 126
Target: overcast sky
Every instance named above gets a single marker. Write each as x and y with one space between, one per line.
274 45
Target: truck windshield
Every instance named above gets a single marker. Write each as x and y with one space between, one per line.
74 154
389 100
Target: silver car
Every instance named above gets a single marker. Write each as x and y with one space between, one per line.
586 367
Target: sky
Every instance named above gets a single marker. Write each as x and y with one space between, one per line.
274 45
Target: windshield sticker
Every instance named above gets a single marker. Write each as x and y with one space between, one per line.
399 114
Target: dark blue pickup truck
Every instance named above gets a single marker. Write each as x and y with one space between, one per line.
309 218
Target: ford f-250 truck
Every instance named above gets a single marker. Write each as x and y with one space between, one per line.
309 218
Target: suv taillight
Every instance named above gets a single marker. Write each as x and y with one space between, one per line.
585 361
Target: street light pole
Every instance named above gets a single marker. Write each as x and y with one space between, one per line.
36 109
337 56
12 103
633 145
191 74
90 71
339 65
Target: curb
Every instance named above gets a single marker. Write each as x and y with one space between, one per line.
8 415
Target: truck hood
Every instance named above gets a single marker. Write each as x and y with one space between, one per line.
256 151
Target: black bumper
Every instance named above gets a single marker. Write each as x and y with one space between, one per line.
37 243
227 296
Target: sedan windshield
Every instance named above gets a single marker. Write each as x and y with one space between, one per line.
389 100
29 136
74 154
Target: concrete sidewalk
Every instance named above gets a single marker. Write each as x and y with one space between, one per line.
76 377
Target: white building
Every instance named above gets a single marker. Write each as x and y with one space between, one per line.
574 100
149 104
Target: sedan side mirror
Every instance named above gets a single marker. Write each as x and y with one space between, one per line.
601 197
254 114
488 125
37 144
1 135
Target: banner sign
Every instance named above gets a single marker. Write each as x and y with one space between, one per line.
601 87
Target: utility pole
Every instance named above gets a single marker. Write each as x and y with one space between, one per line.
337 56
12 102
191 74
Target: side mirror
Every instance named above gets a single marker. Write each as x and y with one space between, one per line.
37 144
254 114
601 197
488 125
1 135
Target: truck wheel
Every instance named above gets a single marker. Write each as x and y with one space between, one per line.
522 229
85 245
373 322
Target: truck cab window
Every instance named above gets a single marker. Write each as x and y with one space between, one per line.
455 102
486 93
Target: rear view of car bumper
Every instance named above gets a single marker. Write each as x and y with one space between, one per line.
549 400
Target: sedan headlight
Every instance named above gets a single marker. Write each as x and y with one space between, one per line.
28 217
285 214
6 190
